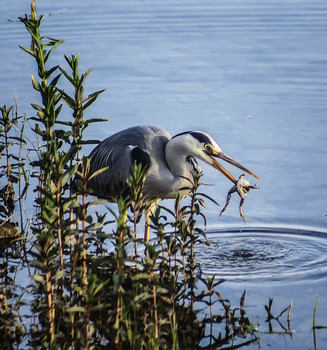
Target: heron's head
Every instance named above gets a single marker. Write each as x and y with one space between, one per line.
205 148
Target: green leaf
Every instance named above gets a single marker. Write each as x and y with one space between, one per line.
30 52
97 202
96 173
76 309
58 110
208 197
37 107
91 98
35 84
69 78
68 175
84 76
141 276
69 100
94 120
142 297
62 122
54 81
54 46
38 278
161 290
95 226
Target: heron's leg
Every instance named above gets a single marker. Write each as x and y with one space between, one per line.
147 225
148 212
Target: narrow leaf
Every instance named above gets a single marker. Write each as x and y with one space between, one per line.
76 309
30 52
96 173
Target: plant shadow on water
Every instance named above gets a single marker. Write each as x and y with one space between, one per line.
79 294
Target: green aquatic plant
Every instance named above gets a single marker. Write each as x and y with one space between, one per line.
13 171
12 330
270 317
58 161
316 326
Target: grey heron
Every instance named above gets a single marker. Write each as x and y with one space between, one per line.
170 163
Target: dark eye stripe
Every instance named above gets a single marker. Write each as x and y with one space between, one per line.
201 137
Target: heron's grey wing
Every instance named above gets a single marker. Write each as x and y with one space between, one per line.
109 183
117 152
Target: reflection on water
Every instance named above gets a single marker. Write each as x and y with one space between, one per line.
266 254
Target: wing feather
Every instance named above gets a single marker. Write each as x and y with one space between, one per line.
115 153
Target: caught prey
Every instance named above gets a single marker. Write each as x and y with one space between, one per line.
242 187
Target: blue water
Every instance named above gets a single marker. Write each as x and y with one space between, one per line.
253 74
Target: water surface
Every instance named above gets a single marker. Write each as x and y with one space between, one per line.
252 74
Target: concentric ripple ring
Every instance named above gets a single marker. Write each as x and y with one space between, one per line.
262 254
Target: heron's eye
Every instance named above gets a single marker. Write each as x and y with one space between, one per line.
207 146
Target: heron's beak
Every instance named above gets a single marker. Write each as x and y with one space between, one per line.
228 159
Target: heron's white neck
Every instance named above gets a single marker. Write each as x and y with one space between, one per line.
176 153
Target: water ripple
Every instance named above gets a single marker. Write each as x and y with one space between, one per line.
272 254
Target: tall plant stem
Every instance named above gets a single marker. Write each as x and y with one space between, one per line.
155 310
51 307
61 249
84 252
